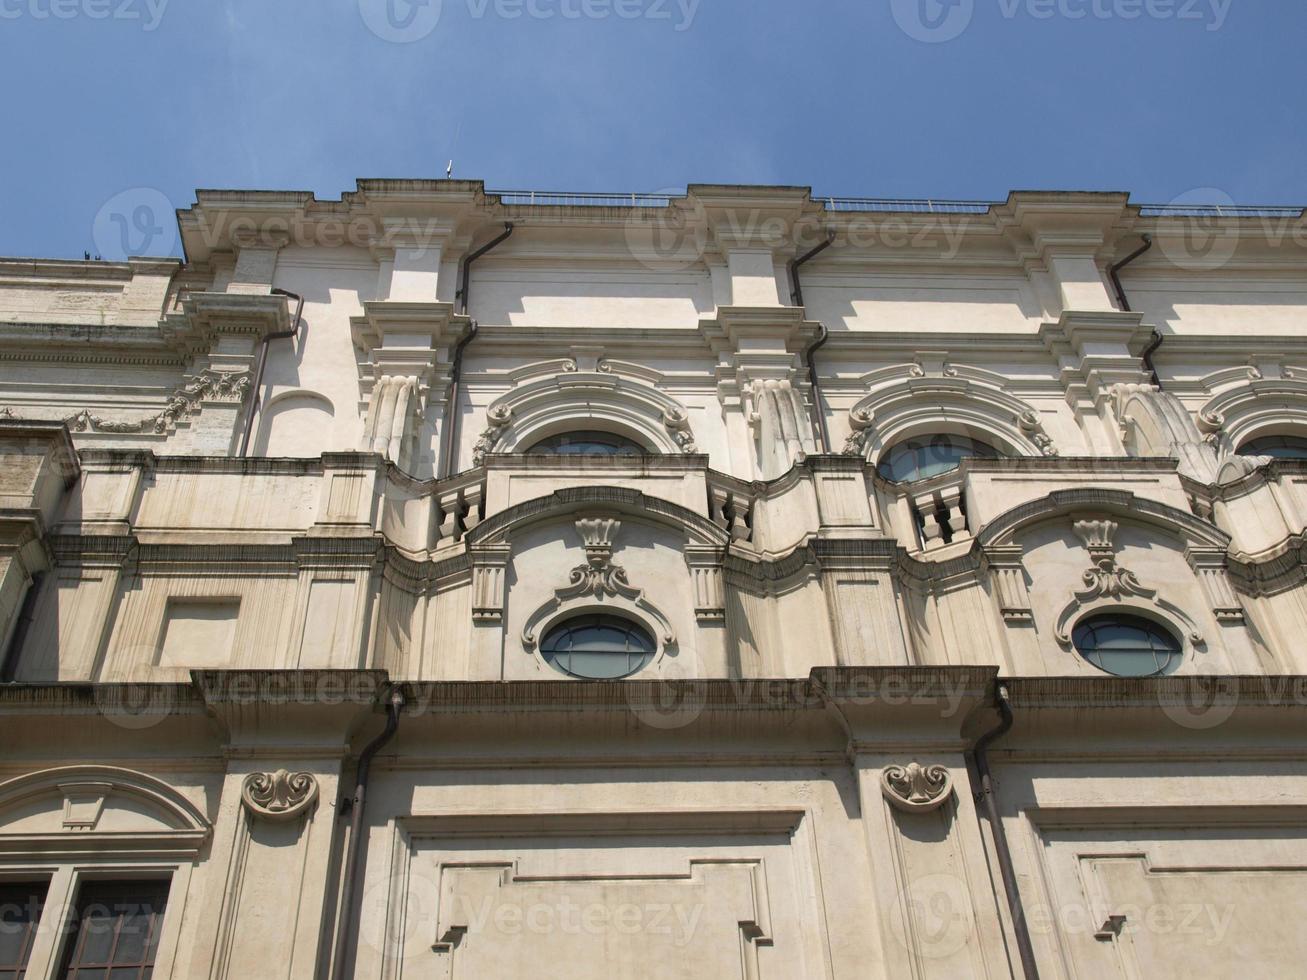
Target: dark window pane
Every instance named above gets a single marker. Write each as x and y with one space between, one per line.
927 456
1281 447
599 647
587 443
1128 646
20 913
115 930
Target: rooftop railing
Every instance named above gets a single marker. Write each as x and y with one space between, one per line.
904 205
565 199
1217 211
898 205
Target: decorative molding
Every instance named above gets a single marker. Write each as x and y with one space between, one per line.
1010 585
1210 565
677 422
915 788
1098 537
207 386
1110 585
938 394
498 418
279 795
576 398
1257 406
598 584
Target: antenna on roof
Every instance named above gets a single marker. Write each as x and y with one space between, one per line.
449 171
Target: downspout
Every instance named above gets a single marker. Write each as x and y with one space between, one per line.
1002 852
796 299
1115 273
393 708
448 443
257 387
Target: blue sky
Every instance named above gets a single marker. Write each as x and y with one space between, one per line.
876 98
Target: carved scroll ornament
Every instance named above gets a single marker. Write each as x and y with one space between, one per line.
279 795
915 788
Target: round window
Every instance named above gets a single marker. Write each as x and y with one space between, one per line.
587 443
1281 447
1127 646
601 648
927 456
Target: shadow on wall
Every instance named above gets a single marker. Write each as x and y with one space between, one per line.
295 424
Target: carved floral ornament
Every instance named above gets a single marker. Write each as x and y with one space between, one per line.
915 788
1110 584
599 583
279 795
208 386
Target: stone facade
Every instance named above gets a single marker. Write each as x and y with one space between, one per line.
276 526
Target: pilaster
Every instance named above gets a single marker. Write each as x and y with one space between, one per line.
761 382
1095 352
410 349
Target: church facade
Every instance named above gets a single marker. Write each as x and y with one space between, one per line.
437 582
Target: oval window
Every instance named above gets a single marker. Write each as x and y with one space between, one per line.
1127 646
927 456
587 443
601 648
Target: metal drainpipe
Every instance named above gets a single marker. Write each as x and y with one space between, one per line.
394 706
1001 850
796 298
1124 302
446 460
256 397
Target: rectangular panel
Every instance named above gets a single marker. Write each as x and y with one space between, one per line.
628 899
199 633
1175 902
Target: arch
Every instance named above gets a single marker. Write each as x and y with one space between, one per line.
589 400
294 425
1118 503
86 792
953 405
1256 408
572 500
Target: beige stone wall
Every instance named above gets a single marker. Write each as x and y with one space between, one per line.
200 641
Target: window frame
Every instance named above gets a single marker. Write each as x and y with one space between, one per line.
882 461
54 931
640 449
1246 447
1129 613
72 938
632 625
66 857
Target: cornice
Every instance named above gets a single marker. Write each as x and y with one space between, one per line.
1157 693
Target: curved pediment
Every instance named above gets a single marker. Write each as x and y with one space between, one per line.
585 399
920 404
1061 503
97 808
1256 408
699 530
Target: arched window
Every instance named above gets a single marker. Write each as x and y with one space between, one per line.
1280 447
922 457
587 442
1127 645
598 647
